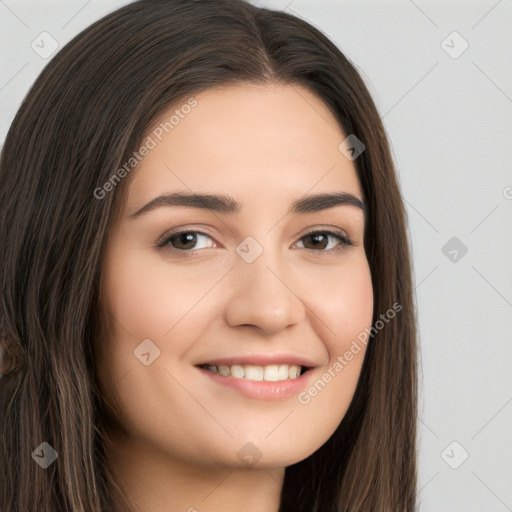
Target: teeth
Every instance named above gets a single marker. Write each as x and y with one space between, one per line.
272 372
224 371
252 372
293 372
282 373
237 371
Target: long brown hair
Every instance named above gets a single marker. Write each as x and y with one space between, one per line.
81 121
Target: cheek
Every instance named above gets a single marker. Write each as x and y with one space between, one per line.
145 296
343 300
346 311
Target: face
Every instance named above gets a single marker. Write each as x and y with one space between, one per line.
208 296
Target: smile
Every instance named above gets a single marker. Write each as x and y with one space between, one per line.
271 373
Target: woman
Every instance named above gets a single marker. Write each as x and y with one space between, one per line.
206 280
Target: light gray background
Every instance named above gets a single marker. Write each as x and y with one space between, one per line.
449 119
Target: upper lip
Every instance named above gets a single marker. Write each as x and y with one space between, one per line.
260 360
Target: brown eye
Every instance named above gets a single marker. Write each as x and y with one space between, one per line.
184 241
320 240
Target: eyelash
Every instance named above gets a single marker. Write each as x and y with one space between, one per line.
164 242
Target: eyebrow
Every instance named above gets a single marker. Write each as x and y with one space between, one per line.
224 203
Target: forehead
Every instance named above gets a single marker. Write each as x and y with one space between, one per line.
259 141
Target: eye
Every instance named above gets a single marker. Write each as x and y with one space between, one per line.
184 242
321 239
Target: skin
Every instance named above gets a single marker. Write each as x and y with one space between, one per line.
176 433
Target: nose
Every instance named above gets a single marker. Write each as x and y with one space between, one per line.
263 298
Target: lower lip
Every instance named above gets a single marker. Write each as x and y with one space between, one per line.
262 390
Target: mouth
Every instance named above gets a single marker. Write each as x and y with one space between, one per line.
268 373
268 377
